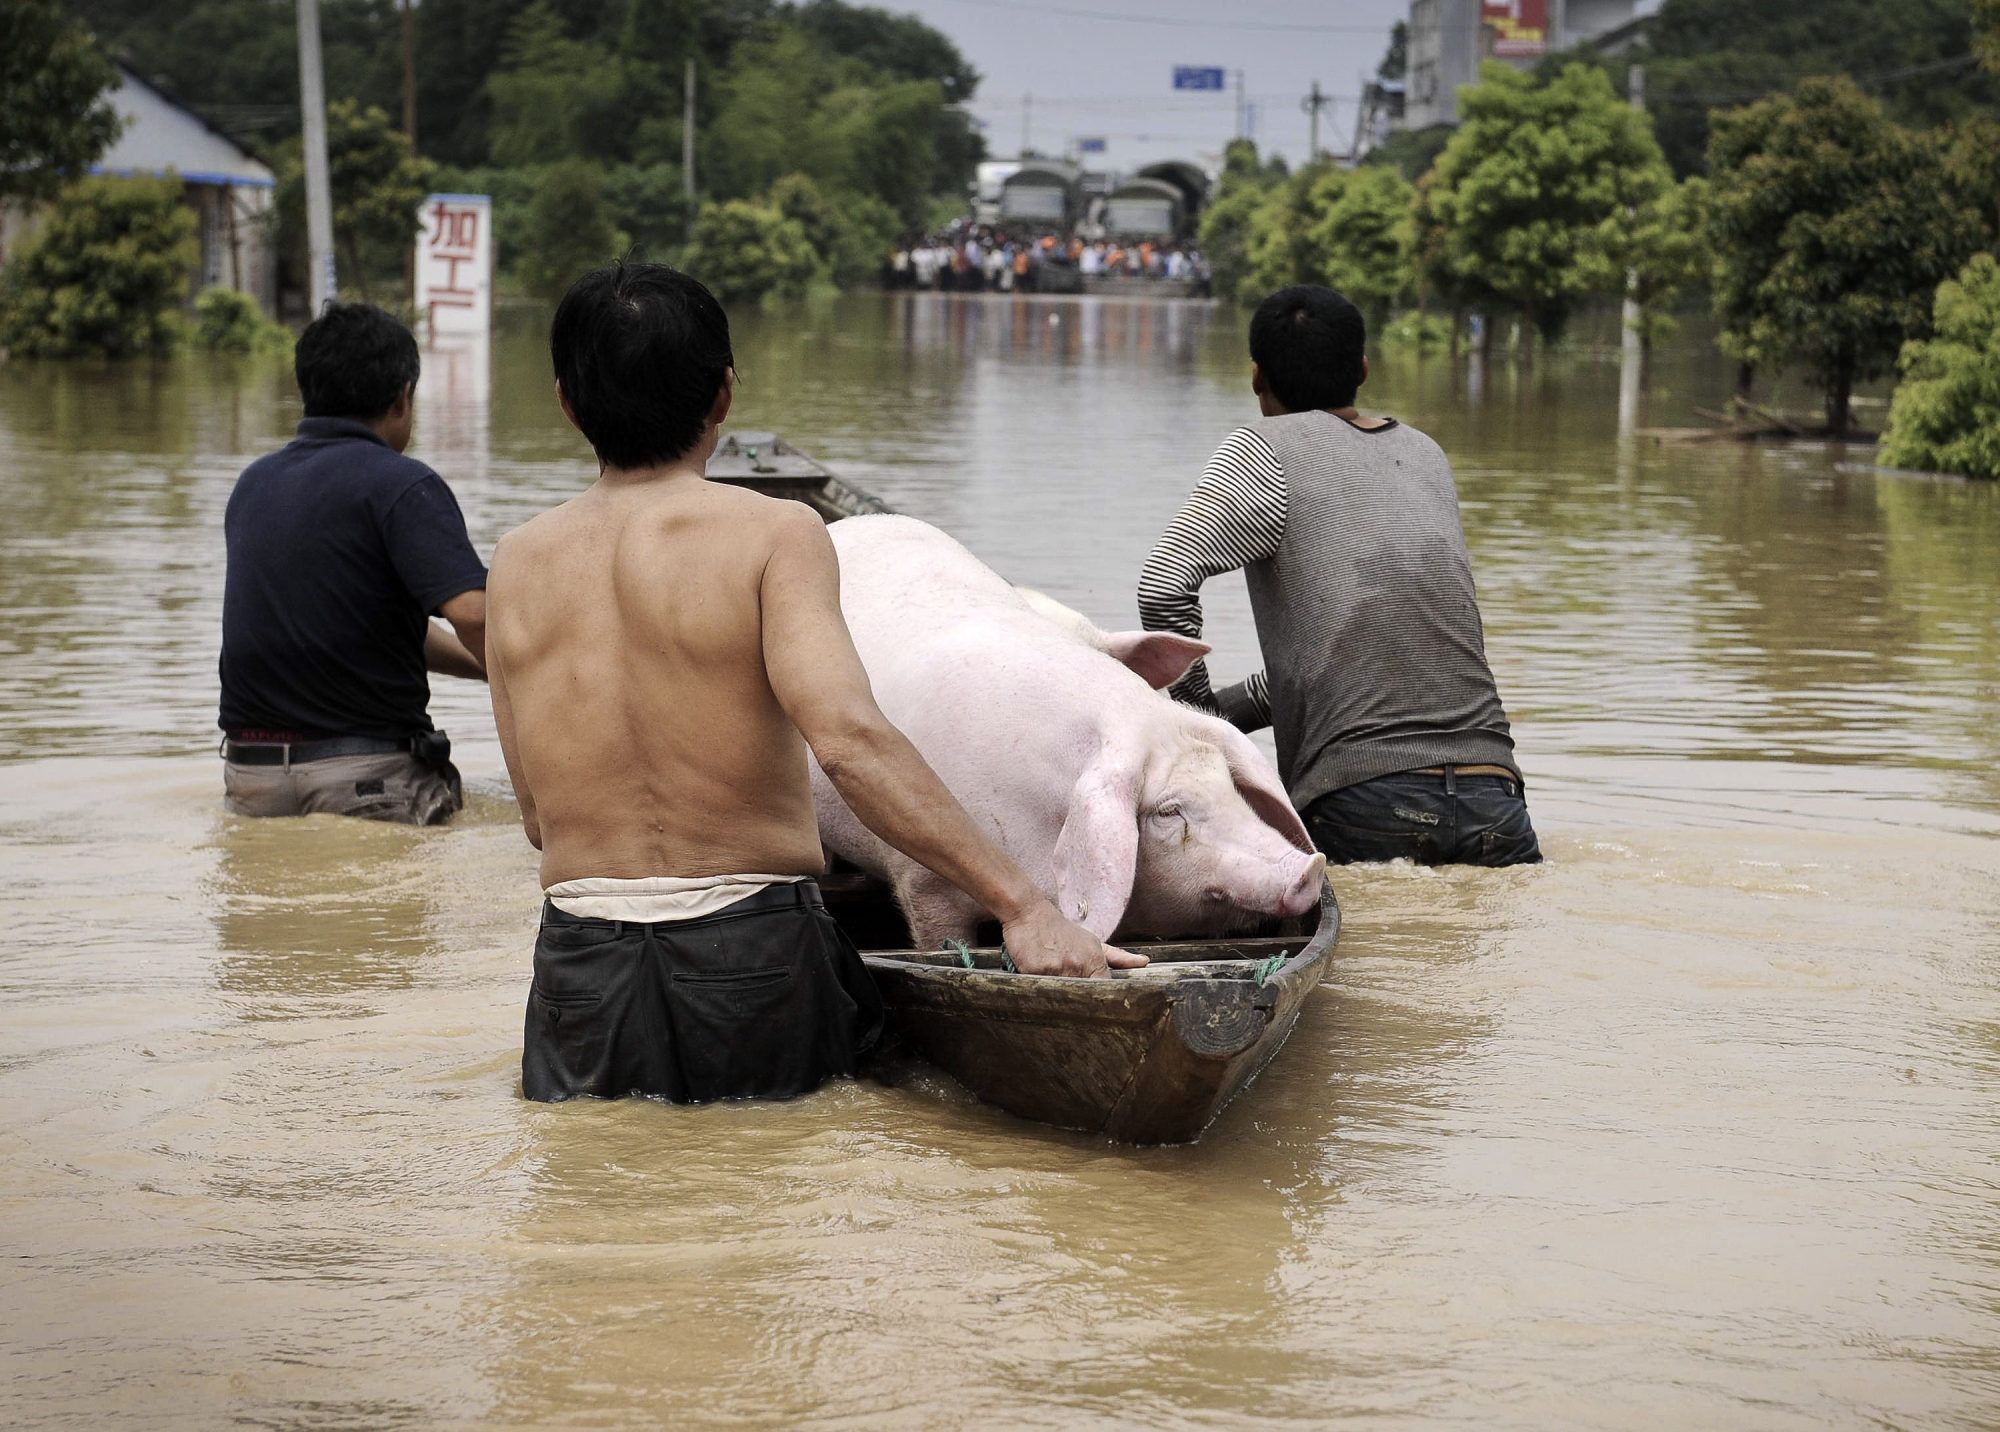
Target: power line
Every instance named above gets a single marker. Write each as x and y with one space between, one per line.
1231 23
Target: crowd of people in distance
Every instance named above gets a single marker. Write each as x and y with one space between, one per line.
968 259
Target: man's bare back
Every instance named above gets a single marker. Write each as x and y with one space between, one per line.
631 638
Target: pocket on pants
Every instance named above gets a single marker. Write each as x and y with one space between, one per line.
744 1034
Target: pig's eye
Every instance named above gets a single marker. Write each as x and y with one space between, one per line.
1169 811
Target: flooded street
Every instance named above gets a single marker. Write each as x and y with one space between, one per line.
1692 1127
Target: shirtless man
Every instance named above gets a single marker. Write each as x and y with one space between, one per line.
662 652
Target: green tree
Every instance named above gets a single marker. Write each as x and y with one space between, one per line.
1536 190
852 233
54 118
377 186
553 96
649 204
568 230
105 275
1226 222
1832 228
1280 246
229 321
1365 226
1668 253
1945 416
1700 54
745 252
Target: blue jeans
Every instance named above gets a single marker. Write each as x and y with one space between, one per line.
1432 820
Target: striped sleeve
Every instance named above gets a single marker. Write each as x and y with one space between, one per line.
1235 516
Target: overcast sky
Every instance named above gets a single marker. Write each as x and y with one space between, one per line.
1112 77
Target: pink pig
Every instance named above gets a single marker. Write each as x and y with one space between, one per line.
1140 816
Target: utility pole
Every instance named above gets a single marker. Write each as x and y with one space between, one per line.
1027 124
1242 110
321 284
409 77
410 122
1632 348
1312 104
687 144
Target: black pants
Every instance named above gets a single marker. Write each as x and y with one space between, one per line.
1432 820
766 999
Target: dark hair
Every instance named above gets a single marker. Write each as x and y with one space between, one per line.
354 361
1309 342
640 351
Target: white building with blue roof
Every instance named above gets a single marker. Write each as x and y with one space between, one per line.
229 190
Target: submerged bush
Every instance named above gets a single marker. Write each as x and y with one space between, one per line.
106 274
1945 416
746 251
229 321
568 230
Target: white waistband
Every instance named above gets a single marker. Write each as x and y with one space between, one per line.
654 898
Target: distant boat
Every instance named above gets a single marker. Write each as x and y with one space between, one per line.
766 463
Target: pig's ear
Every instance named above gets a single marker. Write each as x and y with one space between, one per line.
1161 657
1097 854
1258 784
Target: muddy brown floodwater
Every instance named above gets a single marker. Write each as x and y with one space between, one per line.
1693 1127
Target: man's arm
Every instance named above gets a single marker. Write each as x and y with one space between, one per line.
1235 516
1247 704
462 654
819 680
503 725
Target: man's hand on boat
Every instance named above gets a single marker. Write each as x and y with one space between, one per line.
1041 942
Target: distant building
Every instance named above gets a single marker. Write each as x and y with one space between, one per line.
230 192
1449 39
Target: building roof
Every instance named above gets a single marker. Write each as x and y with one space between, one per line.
160 135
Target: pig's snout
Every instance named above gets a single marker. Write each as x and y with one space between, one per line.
1304 894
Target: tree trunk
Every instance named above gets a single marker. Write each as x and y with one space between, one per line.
1839 399
1457 332
354 265
1746 374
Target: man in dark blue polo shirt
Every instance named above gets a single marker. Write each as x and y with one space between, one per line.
340 552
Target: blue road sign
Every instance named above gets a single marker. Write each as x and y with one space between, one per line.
1090 146
1199 77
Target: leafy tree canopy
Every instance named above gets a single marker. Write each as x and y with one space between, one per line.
1946 413
1706 54
1534 195
1833 226
54 118
377 187
105 275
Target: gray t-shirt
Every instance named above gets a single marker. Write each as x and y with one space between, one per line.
1349 540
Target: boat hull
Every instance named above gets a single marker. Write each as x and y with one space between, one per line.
1145 1057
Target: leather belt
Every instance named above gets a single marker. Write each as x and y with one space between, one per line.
1466 771
298 753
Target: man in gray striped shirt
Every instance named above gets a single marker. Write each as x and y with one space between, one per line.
1391 738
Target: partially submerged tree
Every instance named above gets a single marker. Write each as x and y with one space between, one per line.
54 118
567 230
1535 193
746 251
1832 228
1226 222
1945 416
377 186
105 275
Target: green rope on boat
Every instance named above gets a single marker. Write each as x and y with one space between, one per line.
1270 967
964 953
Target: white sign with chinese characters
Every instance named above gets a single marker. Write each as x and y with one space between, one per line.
455 264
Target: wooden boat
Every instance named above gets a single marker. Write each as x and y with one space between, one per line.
766 463
1148 1056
